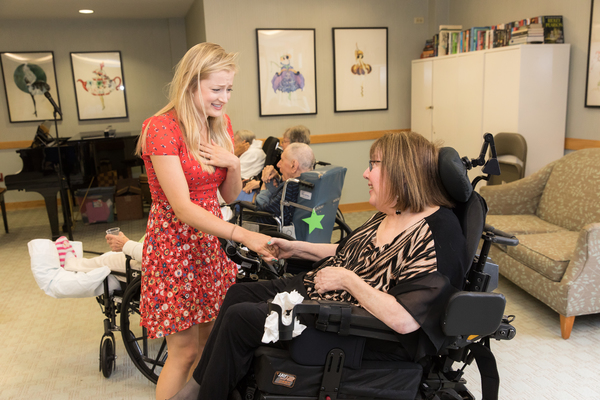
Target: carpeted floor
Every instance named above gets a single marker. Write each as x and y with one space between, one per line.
51 346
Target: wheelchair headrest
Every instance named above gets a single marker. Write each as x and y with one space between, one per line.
454 175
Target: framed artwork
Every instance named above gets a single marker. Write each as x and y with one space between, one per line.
592 87
287 78
27 77
99 85
360 65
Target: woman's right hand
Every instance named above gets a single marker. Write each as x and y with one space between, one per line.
259 243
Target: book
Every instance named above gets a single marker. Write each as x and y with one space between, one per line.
445 41
451 27
499 38
553 28
475 36
454 42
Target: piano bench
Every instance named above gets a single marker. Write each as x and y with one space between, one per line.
3 206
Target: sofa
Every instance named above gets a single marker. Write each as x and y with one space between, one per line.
555 214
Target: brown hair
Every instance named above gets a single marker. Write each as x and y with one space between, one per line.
409 167
198 63
297 134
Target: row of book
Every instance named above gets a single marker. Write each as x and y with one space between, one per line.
452 39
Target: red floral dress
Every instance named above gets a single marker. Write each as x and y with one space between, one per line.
185 273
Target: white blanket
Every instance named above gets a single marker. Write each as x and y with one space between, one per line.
58 282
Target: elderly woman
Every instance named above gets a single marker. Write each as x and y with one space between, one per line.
402 265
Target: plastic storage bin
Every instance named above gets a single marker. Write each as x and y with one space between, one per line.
96 204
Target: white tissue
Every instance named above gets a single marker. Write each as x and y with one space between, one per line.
286 301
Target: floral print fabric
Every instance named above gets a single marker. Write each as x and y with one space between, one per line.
185 273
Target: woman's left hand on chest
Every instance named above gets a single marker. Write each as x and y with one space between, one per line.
217 156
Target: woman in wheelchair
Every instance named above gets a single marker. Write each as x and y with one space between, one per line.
402 265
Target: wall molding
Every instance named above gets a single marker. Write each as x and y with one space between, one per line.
314 139
21 144
578 144
356 207
351 137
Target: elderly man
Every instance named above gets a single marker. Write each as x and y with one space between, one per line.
295 159
249 150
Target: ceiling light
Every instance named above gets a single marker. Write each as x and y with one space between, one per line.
86 11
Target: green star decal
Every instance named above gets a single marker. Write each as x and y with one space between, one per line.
314 221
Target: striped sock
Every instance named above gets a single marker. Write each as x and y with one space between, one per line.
65 250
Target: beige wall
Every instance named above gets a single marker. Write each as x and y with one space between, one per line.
582 122
149 50
232 23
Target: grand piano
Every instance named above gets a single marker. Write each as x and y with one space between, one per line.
81 158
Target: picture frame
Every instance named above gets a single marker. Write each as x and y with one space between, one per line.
592 80
27 77
360 69
287 77
99 85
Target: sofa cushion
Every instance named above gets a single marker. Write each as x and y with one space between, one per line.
546 253
522 224
571 194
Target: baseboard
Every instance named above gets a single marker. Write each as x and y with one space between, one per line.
24 205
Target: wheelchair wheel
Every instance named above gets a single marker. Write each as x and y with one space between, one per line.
148 355
107 355
341 226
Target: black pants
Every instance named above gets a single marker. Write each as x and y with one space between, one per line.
237 333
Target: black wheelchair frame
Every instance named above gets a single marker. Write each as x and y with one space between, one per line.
474 317
148 355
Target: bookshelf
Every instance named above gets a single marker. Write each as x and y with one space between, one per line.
455 99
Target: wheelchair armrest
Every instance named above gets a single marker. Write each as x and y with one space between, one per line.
473 313
243 204
338 317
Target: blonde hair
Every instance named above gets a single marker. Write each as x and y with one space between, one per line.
197 64
409 167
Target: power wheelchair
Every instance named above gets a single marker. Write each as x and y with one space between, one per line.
322 364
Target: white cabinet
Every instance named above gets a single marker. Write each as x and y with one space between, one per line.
458 98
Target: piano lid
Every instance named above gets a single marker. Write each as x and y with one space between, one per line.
102 135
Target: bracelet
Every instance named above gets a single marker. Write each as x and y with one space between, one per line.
233 230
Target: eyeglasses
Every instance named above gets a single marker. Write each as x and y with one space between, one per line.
371 162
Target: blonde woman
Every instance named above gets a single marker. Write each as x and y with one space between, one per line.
187 148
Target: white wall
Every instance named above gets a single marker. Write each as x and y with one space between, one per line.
582 122
149 50
232 24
